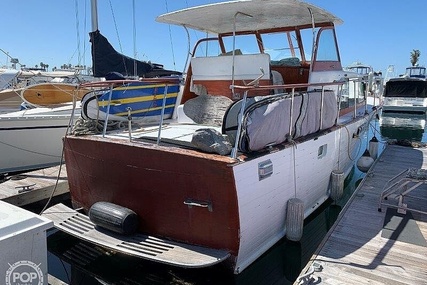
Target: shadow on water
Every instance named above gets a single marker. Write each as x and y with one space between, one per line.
77 262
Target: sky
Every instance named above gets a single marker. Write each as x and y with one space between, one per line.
379 33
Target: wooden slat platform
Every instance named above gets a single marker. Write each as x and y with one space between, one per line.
139 245
34 186
354 251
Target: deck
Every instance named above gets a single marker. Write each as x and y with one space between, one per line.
34 186
368 246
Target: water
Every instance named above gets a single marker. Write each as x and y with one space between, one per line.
76 262
403 126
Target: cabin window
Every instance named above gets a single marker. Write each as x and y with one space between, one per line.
307 41
327 50
281 47
207 47
360 70
247 44
327 56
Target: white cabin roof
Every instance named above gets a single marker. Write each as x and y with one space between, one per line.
218 18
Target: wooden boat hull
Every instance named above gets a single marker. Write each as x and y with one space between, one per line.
46 94
205 199
159 203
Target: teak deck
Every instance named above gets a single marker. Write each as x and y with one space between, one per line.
34 186
355 252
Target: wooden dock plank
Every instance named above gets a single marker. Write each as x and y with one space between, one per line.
42 183
354 250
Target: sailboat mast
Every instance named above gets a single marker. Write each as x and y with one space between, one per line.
94 12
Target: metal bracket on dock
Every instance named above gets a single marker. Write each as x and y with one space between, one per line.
25 188
400 186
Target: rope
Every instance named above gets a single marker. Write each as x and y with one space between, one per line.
27 150
70 122
87 127
294 147
94 127
348 145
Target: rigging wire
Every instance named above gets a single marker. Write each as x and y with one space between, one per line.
115 26
134 40
85 32
170 38
77 30
117 33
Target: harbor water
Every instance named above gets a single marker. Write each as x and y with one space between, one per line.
77 262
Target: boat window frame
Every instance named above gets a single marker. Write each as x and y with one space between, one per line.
201 41
326 65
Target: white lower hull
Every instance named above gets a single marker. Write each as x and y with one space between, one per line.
32 139
405 104
302 171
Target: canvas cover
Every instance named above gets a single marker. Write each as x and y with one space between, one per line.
105 59
406 88
268 121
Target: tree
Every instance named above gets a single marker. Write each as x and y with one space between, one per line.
415 55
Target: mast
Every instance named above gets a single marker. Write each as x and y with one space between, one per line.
94 13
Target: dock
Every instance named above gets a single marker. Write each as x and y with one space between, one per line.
34 186
376 240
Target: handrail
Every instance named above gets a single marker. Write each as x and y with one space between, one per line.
162 114
114 83
287 86
247 88
104 131
108 83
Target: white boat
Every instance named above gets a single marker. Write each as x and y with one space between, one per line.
416 72
255 146
32 138
374 80
9 98
13 82
407 93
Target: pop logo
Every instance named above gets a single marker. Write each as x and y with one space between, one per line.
24 273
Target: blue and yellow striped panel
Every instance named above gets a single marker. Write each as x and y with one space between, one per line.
144 99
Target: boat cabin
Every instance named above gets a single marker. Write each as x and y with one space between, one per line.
244 47
416 72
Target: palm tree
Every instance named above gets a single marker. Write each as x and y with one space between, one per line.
415 55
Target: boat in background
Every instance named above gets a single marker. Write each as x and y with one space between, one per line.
415 72
374 80
407 93
9 101
52 93
144 100
53 102
31 138
121 95
42 88
257 144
